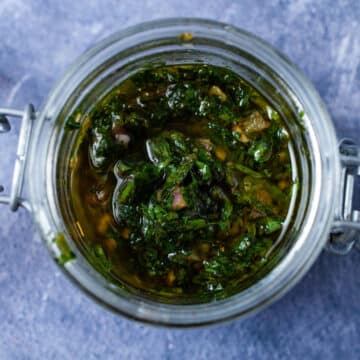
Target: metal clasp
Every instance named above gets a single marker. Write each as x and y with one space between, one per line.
346 228
13 199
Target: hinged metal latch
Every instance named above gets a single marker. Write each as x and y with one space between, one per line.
345 233
13 199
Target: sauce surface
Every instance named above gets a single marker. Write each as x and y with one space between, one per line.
181 182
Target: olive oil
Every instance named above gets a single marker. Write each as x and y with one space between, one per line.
182 182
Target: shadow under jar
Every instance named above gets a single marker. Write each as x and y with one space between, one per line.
46 149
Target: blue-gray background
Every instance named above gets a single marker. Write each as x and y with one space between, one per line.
42 316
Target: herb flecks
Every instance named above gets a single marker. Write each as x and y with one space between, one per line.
183 177
66 253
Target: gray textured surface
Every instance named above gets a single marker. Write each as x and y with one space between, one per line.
42 316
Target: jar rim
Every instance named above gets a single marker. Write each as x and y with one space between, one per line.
299 258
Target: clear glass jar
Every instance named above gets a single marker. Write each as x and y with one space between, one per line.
327 174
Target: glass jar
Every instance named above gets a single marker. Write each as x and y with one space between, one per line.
325 215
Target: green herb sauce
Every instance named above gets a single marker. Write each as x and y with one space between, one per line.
182 182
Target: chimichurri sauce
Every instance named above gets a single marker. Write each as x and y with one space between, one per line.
182 181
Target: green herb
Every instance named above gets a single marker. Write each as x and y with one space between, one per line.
66 253
100 259
73 122
184 183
